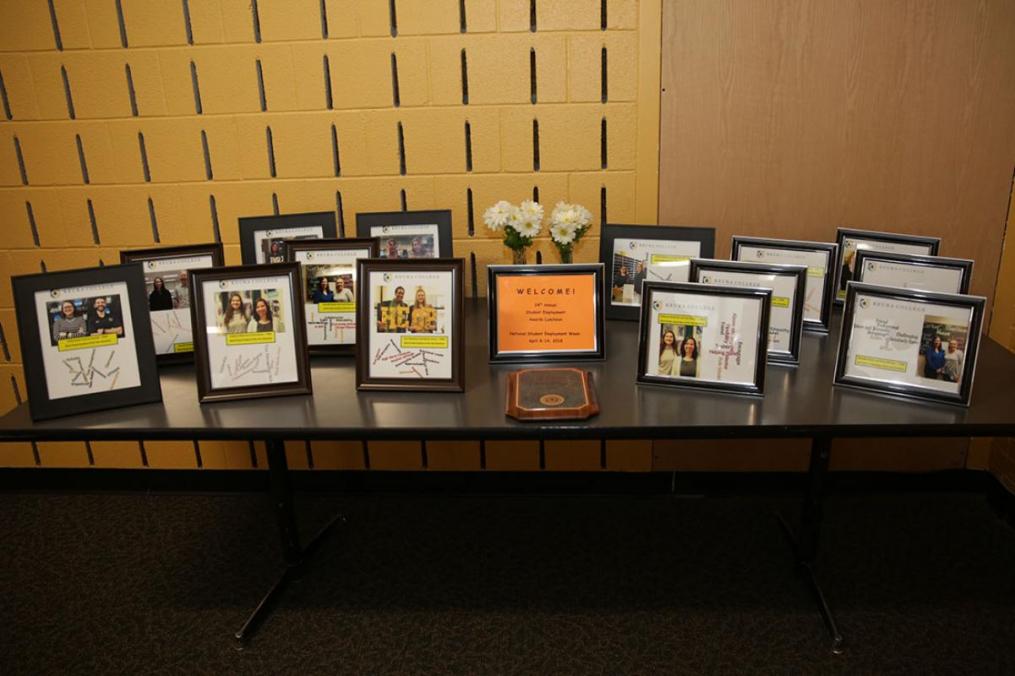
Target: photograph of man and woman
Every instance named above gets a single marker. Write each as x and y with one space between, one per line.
329 284
395 315
249 311
80 317
679 349
407 246
942 349
167 290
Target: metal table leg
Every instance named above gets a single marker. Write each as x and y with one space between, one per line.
805 540
295 556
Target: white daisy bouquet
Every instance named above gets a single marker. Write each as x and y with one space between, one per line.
520 224
568 223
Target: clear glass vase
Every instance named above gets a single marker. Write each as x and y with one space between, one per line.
519 256
566 256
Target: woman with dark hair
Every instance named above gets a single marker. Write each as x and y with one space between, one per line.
69 324
264 319
235 318
160 298
668 355
689 358
934 359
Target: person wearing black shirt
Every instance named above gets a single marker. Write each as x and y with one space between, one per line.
101 320
160 298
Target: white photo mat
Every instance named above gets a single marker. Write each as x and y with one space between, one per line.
269 238
411 338
330 321
171 329
635 261
848 255
780 322
939 279
816 261
420 240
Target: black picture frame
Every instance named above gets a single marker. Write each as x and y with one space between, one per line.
372 223
705 237
143 256
975 305
42 406
250 225
829 249
294 246
365 321
596 270
798 273
963 265
933 244
205 390
761 295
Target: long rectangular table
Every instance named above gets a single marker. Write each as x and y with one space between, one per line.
799 402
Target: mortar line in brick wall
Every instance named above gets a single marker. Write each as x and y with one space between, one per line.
98 187
304 41
325 112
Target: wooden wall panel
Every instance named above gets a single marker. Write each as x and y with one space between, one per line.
791 118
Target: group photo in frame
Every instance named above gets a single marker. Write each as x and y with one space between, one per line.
410 324
820 259
167 286
910 271
909 343
263 238
249 338
546 313
703 336
788 284
850 241
634 254
407 235
86 340
329 285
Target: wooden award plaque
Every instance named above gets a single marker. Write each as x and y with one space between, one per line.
551 394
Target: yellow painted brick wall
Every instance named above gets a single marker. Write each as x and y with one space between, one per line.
102 110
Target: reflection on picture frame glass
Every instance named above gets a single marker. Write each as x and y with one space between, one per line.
818 257
328 284
545 313
249 332
704 336
850 241
787 282
910 271
410 323
263 238
407 235
167 288
86 340
634 254
910 343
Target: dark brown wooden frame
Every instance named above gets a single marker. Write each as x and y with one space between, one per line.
764 296
40 406
294 245
248 225
441 217
597 270
963 264
213 249
975 305
798 272
205 393
454 266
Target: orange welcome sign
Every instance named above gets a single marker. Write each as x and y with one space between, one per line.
546 313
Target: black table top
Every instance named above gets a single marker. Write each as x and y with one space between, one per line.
799 402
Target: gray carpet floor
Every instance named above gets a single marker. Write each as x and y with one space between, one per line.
156 583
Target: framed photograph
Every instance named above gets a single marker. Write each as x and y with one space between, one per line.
546 313
86 340
262 238
909 271
328 284
786 316
818 257
167 287
909 343
408 234
249 332
704 336
634 254
851 241
410 317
